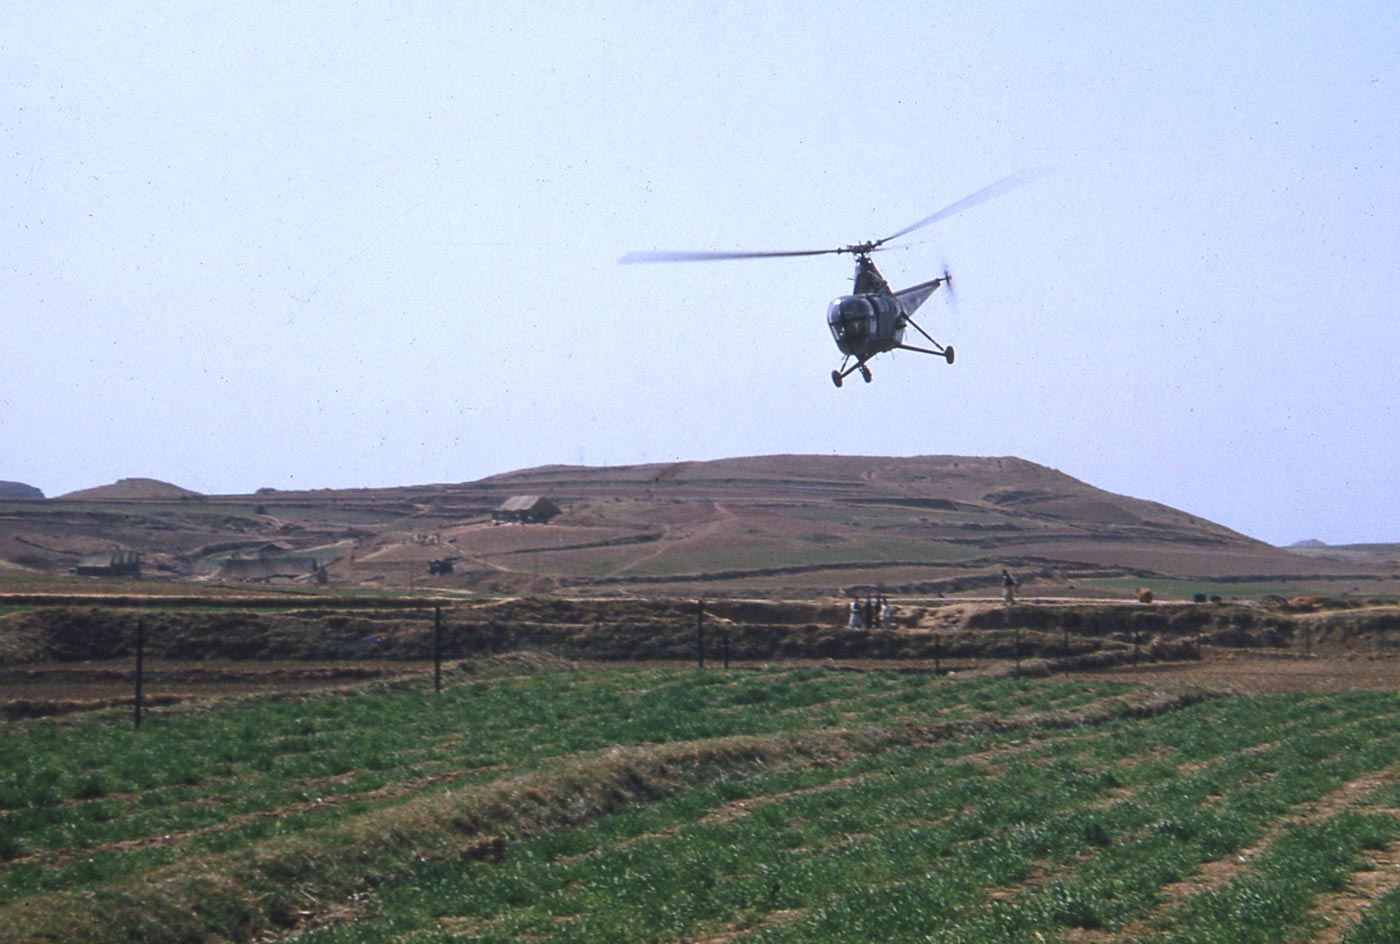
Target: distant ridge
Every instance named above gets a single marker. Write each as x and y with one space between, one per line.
799 526
129 489
19 490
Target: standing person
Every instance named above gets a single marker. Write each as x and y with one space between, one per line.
1008 587
854 622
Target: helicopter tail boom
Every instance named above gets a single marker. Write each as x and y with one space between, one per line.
911 298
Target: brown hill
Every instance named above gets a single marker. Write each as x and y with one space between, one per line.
126 489
774 525
809 523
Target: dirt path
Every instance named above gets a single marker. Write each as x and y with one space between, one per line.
1249 673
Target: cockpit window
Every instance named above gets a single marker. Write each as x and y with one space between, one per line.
851 318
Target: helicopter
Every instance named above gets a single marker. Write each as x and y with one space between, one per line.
873 318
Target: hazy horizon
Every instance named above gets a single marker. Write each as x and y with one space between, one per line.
311 246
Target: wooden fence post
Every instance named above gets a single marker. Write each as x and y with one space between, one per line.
700 634
140 665
437 649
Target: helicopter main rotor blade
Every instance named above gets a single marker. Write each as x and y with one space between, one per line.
707 256
1009 182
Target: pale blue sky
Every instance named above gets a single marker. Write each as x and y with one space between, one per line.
313 244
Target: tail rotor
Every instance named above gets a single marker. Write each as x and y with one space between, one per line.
950 286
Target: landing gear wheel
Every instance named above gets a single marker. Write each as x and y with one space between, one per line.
865 372
948 353
836 377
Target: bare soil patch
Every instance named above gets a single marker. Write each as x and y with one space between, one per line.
53 688
1248 673
62 688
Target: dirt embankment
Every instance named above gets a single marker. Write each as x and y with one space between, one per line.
650 629
57 660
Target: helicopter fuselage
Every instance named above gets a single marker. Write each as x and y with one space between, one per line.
866 325
872 319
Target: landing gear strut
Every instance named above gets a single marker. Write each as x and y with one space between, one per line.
938 350
837 376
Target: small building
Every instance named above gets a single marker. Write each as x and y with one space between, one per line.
525 509
110 564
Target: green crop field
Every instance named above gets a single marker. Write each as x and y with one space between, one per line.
666 804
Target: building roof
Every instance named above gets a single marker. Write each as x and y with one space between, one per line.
523 503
